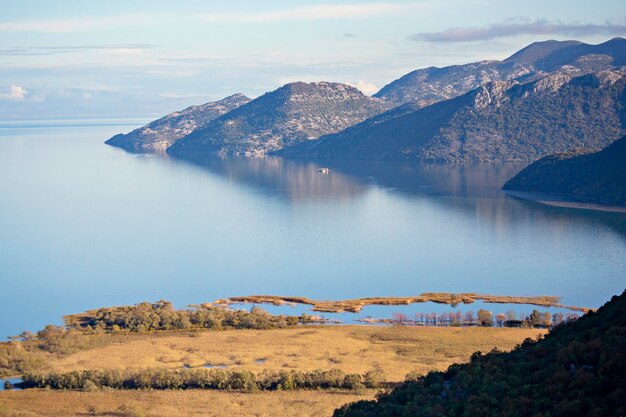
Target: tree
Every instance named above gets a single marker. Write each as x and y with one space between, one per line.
26 336
485 317
50 332
457 318
558 318
400 318
500 319
534 318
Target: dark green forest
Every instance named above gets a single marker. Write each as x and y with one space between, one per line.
578 369
597 176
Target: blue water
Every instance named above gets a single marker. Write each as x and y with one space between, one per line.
84 225
13 381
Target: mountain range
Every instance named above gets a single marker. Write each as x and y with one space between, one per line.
596 176
294 113
547 98
498 121
429 85
159 135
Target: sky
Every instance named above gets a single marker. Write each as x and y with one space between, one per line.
77 59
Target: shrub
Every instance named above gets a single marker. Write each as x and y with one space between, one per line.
90 386
485 317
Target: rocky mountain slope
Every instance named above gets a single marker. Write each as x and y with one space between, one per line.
429 85
294 113
160 134
572 57
578 369
599 176
499 121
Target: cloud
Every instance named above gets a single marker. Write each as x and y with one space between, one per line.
83 24
365 87
16 92
317 12
54 50
519 27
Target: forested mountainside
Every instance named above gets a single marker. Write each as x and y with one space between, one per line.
597 176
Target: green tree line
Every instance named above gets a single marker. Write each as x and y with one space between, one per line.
214 379
163 316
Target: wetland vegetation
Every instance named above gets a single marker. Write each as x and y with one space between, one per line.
293 365
356 305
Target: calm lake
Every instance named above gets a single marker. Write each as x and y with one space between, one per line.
84 225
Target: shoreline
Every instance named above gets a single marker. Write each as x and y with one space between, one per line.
556 200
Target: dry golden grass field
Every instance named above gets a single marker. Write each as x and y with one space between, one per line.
354 349
191 403
395 351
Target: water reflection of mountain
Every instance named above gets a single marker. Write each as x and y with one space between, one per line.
473 189
294 180
417 179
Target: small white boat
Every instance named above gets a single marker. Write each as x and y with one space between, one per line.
323 170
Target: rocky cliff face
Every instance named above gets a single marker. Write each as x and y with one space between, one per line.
159 135
294 113
499 121
430 85
599 176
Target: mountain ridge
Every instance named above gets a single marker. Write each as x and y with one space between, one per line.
429 85
291 114
160 134
498 121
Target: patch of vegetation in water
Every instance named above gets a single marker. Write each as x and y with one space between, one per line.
163 316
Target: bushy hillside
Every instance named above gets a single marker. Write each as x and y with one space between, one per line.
599 176
578 369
